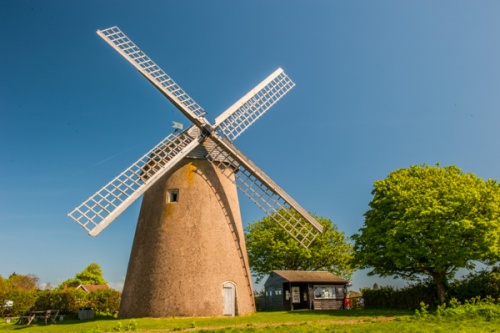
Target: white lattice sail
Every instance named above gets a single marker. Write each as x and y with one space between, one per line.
123 45
98 211
237 118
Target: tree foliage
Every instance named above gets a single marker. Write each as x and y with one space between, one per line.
92 274
24 282
430 221
19 282
271 248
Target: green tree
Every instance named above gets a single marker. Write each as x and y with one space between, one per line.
3 284
92 274
429 221
23 282
270 248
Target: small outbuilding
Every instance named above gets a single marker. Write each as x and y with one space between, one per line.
88 288
303 290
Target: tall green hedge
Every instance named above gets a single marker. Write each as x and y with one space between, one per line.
404 298
107 301
68 301
481 284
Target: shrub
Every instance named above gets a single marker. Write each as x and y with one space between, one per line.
24 300
408 297
476 308
67 301
483 283
104 300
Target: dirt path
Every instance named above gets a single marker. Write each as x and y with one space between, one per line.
263 325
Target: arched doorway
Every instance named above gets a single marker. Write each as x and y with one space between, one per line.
229 297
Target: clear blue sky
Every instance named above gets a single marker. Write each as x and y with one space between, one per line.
381 85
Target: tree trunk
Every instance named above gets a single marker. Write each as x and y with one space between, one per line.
439 279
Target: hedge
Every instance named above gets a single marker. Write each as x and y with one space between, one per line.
68 301
481 284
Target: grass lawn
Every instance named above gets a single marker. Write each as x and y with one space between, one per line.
306 321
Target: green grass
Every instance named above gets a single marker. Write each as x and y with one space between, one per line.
303 322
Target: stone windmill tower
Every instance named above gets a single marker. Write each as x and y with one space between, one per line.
189 256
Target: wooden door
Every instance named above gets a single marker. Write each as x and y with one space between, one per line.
229 294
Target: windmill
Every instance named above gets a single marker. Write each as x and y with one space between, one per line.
189 256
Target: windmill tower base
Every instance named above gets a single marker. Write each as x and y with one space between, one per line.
189 256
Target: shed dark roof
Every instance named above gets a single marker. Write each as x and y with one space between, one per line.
309 276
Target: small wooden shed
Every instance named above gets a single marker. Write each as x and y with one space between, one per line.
303 290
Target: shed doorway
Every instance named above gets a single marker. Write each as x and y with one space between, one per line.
229 296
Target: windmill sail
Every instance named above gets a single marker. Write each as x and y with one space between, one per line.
237 118
98 211
264 192
157 76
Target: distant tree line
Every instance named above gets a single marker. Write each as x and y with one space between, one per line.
19 282
22 293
